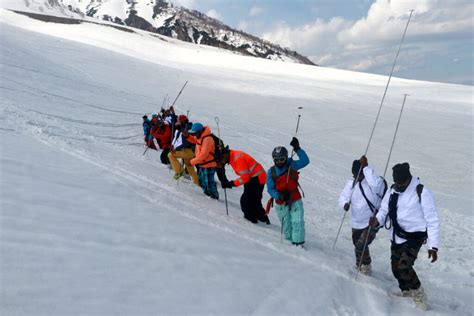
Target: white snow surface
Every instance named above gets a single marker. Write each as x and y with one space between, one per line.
90 226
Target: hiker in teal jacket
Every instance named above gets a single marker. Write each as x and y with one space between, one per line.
283 188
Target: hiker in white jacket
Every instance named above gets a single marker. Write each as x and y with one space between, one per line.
411 209
364 203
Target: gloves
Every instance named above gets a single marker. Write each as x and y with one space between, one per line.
433 254
363 162
373 222
226 184
346 207
295 143
285 196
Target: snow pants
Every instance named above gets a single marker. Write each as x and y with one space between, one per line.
403 258
292 219
359 236
208 183
186 154
164 156
251 201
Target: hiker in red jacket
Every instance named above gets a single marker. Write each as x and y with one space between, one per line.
162 133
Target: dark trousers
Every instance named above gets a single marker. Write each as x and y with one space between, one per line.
403 258
251 201
164 156
358 239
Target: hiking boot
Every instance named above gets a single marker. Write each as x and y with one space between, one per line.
265 219
178 175
250 219
365 269
298 244
407 293
420 298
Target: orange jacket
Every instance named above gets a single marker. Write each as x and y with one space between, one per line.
246 167
205 148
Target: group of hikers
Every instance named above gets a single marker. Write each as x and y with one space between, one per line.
407 209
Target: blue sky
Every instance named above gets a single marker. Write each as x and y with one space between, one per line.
362 35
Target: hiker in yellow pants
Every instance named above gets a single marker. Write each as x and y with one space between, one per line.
182 149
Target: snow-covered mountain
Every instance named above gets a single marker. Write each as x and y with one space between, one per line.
162 17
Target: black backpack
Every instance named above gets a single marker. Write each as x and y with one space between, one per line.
218 147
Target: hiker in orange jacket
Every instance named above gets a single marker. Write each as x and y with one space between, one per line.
252 177
204 157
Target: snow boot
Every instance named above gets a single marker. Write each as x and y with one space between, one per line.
178 175
420 298
251 219
299 245
406 293
365 269
265 219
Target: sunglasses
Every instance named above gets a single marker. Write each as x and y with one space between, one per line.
280 159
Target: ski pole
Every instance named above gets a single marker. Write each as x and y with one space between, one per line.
293 150
281 230
384 173
385 92
395 135
288 174
220 149
147 147
378 112
172 104
388 82
164 101
339 231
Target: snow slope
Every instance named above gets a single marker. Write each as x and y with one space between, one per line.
90 226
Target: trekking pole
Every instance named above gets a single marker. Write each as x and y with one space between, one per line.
147 147
220 148
388 82
172 104
378 115
384 173
289 169
164 101
339 231
395 135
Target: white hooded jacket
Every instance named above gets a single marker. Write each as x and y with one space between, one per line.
372 184
413 215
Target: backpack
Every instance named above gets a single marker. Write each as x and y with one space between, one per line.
294 176
218 147
419 190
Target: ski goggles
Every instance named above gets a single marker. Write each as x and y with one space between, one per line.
282 159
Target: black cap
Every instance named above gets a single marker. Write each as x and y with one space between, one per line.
145 117
401 172
355 167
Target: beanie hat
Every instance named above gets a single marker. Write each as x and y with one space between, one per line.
197 127
182 118
355 167
401 172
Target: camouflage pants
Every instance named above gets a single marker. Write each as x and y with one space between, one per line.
403 258
358 239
